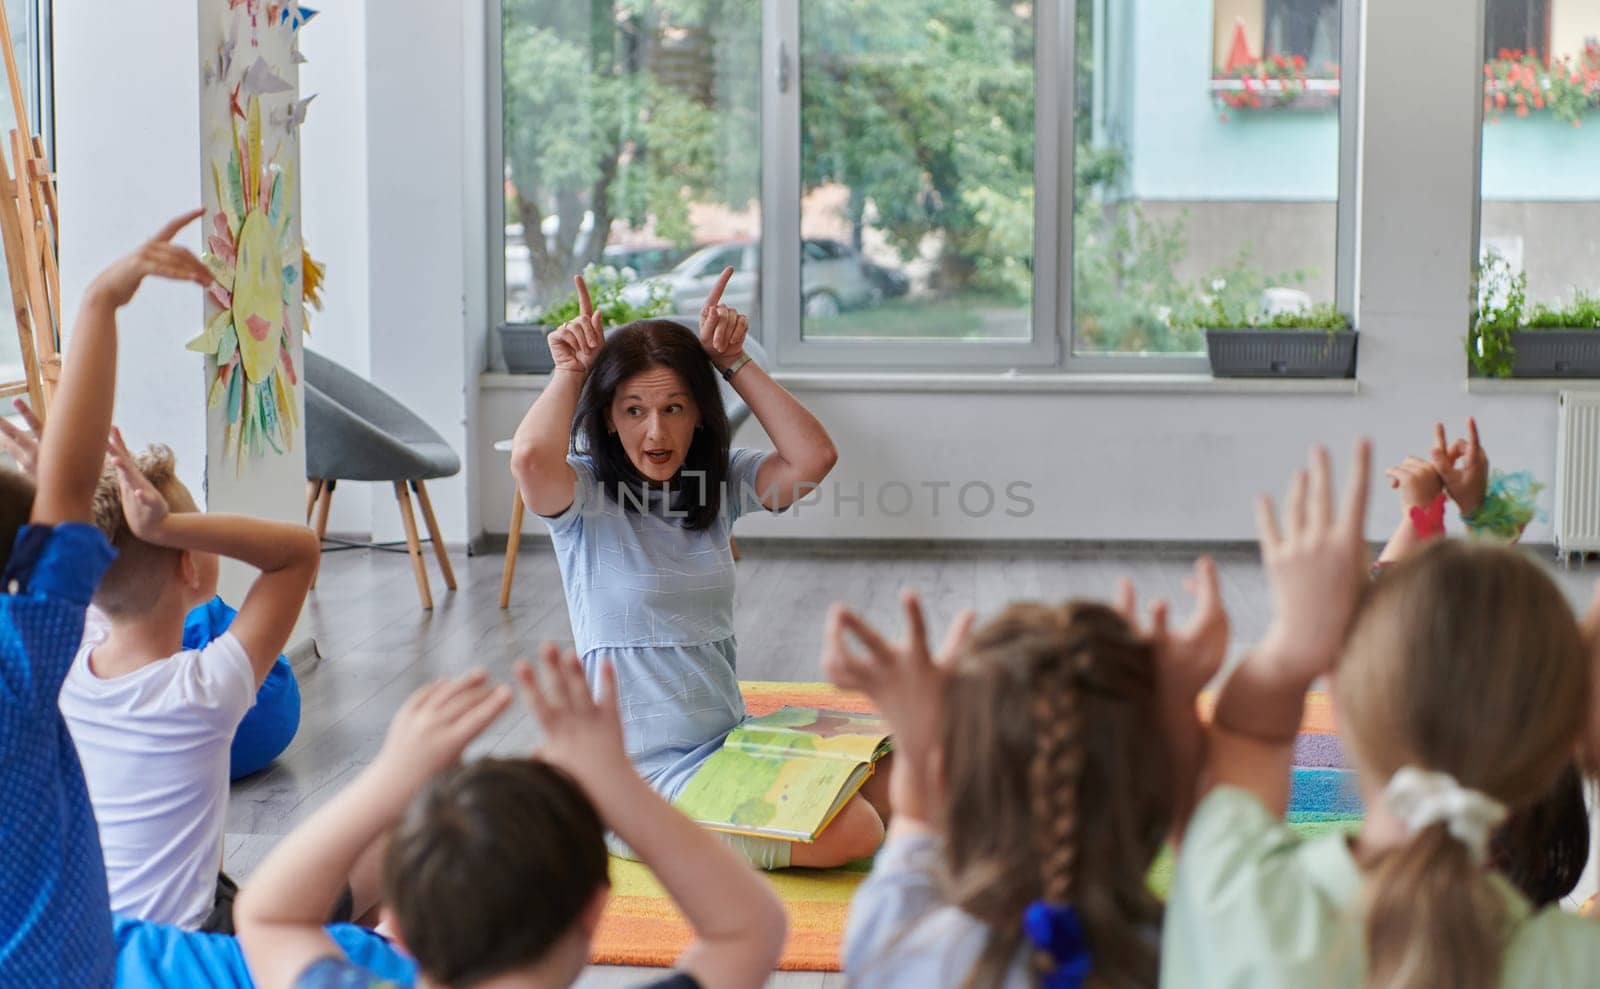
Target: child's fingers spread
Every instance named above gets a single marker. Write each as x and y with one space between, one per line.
1353 516
577 682
916 628
1473 443
1295 510
1158 619
956 638
485 709
532 692
1441 441
607 699
1267 530
866 635
170 229
1207 589
1127 600
1320 498
26 412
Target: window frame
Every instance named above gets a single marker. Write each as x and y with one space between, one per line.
1050 348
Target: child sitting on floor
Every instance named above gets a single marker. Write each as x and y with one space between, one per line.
1041 766
497 870
271 723
1544 847
54 917
154 722
1462 686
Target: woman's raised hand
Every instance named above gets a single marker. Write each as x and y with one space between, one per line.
574 345
722 328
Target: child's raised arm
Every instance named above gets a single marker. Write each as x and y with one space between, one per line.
739 925
545 481
286 554
71 457
906 682
1316 565
280 913
1188 658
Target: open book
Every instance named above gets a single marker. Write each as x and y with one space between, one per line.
787 774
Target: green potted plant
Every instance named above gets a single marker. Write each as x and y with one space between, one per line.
524 345
1511 339
1244 341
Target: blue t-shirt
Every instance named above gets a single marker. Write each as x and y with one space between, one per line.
55 912
336 973
656 599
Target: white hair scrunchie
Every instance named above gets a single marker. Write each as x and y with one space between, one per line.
1421 798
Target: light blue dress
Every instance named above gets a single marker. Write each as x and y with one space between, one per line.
657 600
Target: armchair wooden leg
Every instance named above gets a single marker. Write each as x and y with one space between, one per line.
324 501
313 488
513 541
433 533
733 544
413 544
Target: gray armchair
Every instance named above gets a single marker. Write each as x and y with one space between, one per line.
355 431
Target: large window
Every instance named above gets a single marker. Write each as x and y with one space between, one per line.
1540 171
1077 184
631 137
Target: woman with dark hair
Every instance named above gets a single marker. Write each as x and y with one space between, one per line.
626 456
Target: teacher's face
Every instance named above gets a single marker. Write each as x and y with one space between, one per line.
654 416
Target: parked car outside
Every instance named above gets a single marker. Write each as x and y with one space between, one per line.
833 277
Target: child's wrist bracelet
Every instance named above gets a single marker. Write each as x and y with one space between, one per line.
1509 504
1427 521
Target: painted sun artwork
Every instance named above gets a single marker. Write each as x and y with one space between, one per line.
252 251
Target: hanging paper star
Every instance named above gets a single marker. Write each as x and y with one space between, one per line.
261 80
246 336
295 15
292 116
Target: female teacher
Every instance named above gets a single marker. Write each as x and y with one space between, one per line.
626 457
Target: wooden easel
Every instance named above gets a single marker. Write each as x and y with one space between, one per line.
30 224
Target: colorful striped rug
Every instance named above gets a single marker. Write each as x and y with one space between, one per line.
642 927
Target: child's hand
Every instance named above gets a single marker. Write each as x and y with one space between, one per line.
574 345
1192 655
23 447
582 733
1418 482
905 681
158 256
436 724
142 504
722 328
1316 566
1468 482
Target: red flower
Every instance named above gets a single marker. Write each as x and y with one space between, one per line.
1538 101
1488 70
1278 61
1522 111
1299 61
1487 104
1500 99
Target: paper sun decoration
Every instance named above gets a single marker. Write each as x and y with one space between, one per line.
252 253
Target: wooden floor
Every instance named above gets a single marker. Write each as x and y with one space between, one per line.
376 645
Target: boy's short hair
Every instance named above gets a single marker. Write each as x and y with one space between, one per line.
16 506
141 571
491 866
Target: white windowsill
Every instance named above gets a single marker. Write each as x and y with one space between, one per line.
1008 383
1530 386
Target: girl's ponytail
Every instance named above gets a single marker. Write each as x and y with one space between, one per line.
1433 918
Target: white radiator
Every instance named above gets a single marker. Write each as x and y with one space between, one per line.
1577 515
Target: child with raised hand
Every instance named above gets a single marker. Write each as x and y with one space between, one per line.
55 923
1040 767
496 870
154 722
272 721
1461 685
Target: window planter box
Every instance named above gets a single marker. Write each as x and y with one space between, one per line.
526 349
1556 353
1281 353
1275 94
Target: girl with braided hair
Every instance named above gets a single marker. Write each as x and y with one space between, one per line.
1040 764
1462 684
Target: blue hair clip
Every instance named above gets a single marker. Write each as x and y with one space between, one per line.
1054 929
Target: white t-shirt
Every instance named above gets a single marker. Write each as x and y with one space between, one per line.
154 746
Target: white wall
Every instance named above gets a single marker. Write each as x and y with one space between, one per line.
128 154
334 163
